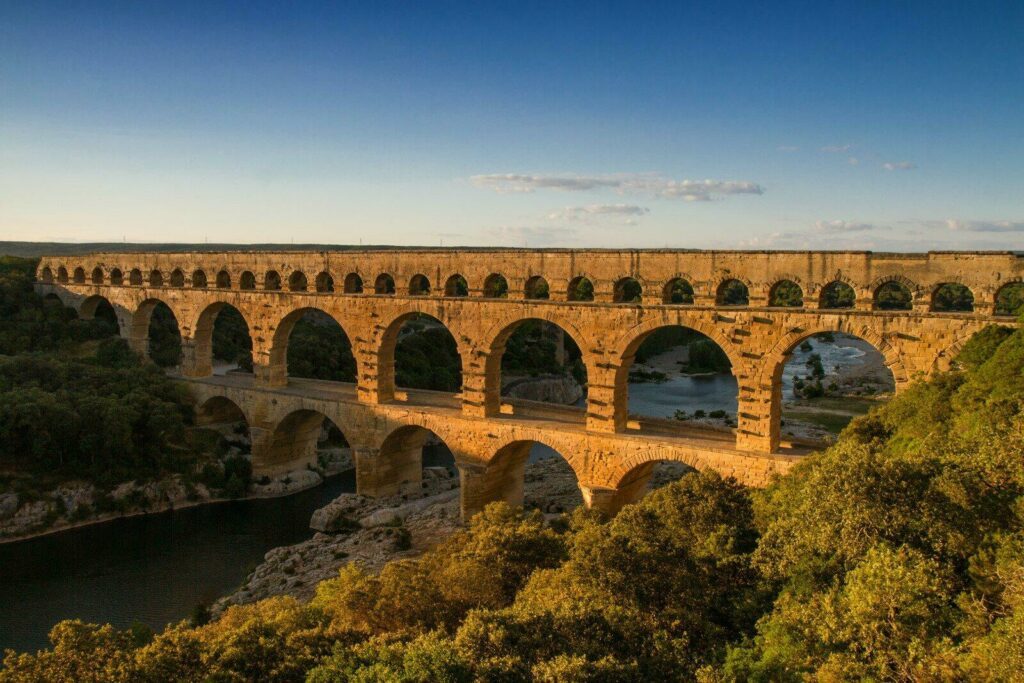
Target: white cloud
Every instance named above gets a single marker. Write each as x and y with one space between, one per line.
596 213
985 226
840 226
899 166
836 149
633 184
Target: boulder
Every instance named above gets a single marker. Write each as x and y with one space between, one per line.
8 504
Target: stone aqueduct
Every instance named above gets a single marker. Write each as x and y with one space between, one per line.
371 293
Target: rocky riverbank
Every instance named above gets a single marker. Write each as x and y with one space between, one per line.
562 389
375 531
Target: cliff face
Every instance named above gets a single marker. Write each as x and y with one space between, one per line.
550 389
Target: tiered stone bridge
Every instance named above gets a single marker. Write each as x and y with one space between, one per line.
481 296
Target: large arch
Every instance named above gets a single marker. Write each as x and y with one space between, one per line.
220 410
499 337
769 379
223 333
668 388
397 466
101 312
323 349
292 443
419 358
156 332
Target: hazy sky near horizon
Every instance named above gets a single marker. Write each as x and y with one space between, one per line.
868 125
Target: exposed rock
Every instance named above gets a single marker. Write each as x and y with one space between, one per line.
8 504
30 516
290 482
561 389
334 460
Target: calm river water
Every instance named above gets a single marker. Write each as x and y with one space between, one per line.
156 568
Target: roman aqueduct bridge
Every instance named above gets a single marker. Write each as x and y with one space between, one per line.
481 296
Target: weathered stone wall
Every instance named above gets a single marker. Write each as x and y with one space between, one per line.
757 338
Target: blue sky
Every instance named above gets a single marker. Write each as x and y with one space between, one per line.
888 125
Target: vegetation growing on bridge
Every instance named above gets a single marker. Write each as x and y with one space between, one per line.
897 554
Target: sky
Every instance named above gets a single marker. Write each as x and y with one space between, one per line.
788 125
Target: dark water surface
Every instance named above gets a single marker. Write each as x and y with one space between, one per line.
151 568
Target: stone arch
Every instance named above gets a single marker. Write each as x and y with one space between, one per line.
166 352
786 293
837 294
502 476
384 284
397 466
282 335
893 293
732 291
203 337
353 284
135 277
272 281
156 278
630 342
97 304
220 410
223 279
627 290
116 276
46 275
952 297
768 380
1009 298
581 288
247 280
387 348
419 285
677 292
495 286
199 279
324 282
536 288
79 276
291 443
297 281
493 350
62 274
456 285
177 278
97 276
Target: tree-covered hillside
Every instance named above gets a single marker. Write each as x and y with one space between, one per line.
896 555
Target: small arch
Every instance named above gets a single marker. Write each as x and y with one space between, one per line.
627 291
581 289
297 281
537 288
786 294
97 276
324 282
199 279
837 294
79 276
385 284
419 285
1010 299
496 286
272 281
893 295
223 280
177 278
678 292
456 286
62 274
156 278
46 275
116 276
353 284
247 281
732 292
135 277
952 297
